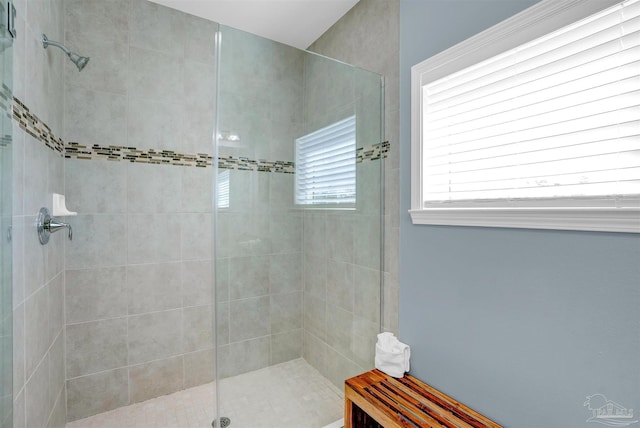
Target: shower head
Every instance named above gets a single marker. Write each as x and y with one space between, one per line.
78 60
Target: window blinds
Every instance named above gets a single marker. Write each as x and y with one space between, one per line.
223 189
326 165
558 117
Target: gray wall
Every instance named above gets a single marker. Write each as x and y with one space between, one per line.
521 325
38 271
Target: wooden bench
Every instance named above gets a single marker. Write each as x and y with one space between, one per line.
374 399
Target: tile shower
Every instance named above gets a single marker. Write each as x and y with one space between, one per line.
126 308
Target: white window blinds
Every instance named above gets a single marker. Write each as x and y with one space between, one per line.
558 117
326 165
223 189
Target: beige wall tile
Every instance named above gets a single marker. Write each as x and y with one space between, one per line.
96 346
339 329
242 357
109 20
92 116
98 241
315 316
145 20
286 312
198 368
286 346
197 283
97 393
37 396
314 352
196 192
340 284
196 236
198 328
153 188
153 287
250 277
156 378
153 238
93 294
18 350
367 293
37 339
285 273
154 336
249 318
56 307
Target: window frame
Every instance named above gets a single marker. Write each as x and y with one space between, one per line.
557 213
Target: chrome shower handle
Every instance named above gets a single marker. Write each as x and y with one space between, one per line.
54 225
47 225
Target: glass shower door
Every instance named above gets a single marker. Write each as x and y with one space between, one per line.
6 194
298 231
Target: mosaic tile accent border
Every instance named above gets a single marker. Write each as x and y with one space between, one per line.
32 125
246 164
117 153
6 100
6 105
373 153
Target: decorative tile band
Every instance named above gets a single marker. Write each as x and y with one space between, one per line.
246 164
372 153
117 153
32 125
6 100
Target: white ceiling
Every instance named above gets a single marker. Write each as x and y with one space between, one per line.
293 22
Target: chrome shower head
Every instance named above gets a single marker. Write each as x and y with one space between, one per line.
78 60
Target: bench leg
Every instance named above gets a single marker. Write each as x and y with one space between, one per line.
348 413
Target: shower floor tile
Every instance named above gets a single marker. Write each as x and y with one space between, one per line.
291 394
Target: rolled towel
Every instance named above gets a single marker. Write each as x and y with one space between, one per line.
392 356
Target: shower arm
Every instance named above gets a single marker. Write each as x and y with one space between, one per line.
46 42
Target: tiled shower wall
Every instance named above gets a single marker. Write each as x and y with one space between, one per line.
138 272
38 271
367 36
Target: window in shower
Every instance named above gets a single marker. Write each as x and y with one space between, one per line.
223 189
326 166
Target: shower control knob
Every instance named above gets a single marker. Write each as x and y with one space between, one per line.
47 225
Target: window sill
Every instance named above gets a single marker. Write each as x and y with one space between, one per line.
588 219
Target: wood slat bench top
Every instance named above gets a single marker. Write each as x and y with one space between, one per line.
407 402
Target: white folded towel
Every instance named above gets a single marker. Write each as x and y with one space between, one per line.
392 356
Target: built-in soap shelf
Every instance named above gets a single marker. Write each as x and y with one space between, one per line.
59 206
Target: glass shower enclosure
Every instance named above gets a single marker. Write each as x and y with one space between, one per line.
298 224
293 235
